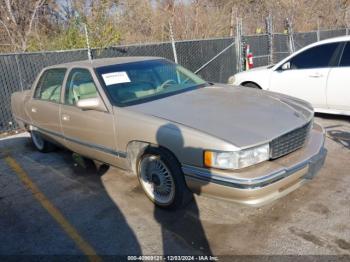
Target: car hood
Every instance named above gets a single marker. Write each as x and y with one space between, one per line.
260 68
243 117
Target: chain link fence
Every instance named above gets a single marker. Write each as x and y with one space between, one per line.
20 70
259 44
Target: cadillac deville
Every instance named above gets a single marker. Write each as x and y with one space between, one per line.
178 133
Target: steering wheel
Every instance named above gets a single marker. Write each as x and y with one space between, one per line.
167 83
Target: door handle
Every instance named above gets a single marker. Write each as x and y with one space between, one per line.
65 117
34 110
316 75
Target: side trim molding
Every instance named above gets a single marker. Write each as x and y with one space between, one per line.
83 143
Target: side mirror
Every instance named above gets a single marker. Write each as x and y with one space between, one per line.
286 66
91 104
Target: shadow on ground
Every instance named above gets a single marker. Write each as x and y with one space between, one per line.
341 137
78 193
184 224
338 132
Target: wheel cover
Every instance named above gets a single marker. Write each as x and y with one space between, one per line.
156 180
38 140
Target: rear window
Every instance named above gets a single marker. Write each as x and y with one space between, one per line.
50 85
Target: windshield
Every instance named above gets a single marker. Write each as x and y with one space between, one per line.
138 82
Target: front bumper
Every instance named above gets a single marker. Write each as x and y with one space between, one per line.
265 182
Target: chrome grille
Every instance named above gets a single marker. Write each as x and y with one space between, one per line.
289 142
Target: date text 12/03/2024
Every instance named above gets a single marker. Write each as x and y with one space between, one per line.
173 258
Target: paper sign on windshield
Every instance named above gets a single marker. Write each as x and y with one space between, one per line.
116 78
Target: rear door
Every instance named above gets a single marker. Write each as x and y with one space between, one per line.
88 132
338 85
306 74
44 108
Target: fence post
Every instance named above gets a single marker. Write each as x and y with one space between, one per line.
318 30
290 36
238 43
19 73
172 41
87 43
269 29
232 21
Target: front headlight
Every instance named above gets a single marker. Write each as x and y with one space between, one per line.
237 159
231 80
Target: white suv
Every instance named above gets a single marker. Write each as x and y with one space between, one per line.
318 73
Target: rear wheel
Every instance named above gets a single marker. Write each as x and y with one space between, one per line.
162 180
40 143
251 85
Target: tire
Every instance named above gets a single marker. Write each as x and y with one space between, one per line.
162 180
252 85
40 143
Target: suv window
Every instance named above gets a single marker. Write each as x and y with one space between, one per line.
80 85
315 57
50 85
345 59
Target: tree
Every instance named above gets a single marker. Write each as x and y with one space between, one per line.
17 19
97 15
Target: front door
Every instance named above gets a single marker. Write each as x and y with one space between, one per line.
338 87
90 133
305 75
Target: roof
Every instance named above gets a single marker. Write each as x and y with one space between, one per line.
106 61
333 40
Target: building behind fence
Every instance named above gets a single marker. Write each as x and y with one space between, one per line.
18 71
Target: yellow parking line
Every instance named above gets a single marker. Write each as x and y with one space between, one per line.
52 210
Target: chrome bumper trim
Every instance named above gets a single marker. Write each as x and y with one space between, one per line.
315 163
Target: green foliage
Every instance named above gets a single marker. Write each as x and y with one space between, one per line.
104 36
73 37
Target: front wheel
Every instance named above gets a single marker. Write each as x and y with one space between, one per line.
162 180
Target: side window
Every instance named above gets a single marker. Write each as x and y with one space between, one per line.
80 85
50 85
315 57
345 59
